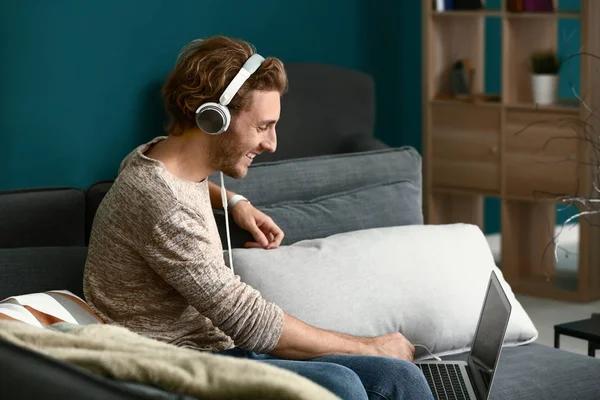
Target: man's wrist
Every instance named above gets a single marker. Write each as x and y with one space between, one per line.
360 346
354 344
231 202
365 346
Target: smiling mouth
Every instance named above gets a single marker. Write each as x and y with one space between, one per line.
251 156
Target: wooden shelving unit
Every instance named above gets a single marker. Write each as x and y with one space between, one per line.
506 146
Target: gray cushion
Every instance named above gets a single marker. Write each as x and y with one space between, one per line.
42 217
309 178
358 143
321 196
38 269
363 208
538 372
426 281
93 197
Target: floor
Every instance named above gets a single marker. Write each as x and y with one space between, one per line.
545 313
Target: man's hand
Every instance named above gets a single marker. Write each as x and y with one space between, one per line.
266 232
391 345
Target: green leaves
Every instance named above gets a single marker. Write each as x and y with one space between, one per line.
545 62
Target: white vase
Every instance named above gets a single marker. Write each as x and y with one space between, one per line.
544 88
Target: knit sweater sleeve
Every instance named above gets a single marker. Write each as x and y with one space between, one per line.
179 249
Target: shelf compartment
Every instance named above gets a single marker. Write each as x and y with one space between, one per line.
524 37
478 100
463 191
465 147
527 237
541 152
453 207
565 105
467 13
563 288
453 40
543 15
506 14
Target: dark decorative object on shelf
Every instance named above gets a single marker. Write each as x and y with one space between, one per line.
514 5
467 4
442 5
461 78
538 5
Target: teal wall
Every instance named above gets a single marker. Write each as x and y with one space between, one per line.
80 80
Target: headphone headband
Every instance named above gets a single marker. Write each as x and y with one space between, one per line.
249 67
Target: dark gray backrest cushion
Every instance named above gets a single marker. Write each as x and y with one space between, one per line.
93 197
42 217
323 106
321 196
37 269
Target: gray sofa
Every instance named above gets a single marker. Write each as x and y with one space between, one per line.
319 182
47 229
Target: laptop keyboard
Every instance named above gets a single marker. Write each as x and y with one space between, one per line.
445 380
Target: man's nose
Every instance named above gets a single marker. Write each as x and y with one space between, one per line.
270 144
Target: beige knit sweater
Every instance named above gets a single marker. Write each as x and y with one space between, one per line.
155 265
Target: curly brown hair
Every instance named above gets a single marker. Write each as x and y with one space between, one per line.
203 70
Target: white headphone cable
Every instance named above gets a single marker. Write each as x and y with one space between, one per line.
425 347
224 200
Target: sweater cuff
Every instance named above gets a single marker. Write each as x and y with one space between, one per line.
277 329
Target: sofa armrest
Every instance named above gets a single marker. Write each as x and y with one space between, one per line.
29 375
359 143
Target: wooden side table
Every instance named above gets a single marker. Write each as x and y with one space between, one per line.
586 329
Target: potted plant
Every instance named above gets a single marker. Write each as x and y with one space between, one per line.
545 66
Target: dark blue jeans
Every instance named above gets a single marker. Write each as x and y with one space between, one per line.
355 377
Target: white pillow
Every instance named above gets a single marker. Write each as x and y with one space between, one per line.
426 281
47 308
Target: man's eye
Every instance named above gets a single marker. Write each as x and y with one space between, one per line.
262 128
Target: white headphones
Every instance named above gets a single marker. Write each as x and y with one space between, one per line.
214 118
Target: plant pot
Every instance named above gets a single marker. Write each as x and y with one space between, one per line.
544 88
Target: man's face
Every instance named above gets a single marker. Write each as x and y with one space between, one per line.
251 132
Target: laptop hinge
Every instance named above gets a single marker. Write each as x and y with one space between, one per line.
474 383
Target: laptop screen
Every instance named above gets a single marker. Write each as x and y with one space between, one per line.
489 335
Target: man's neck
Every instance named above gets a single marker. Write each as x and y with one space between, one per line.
184 156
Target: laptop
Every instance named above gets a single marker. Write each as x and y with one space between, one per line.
472 380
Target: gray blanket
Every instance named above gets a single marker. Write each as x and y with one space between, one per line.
123 355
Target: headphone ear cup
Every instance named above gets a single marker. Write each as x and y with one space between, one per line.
213 118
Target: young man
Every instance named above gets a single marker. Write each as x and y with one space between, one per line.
155 262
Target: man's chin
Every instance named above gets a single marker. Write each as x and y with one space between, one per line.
236 173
